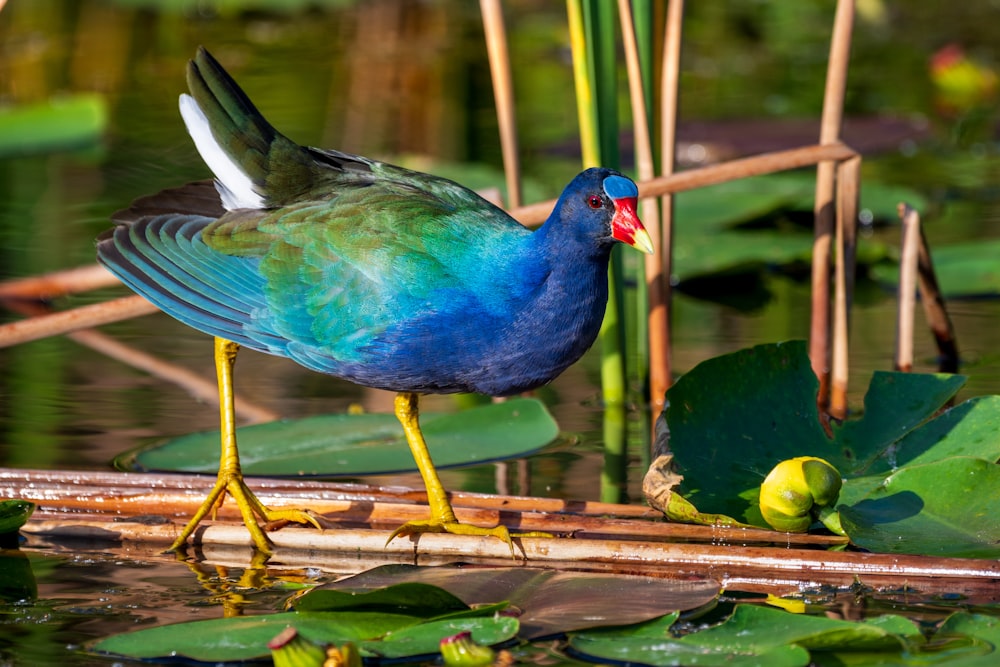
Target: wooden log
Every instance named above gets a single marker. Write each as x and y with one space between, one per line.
139 514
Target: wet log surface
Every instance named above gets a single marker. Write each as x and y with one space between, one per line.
140 514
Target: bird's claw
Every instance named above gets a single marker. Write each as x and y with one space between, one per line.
290 515
456 528
232 484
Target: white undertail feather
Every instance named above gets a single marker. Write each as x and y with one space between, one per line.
234 186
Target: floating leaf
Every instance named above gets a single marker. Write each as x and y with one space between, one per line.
14 514
551 602
963 269
733 417
425 638
946 508
377 634
342 444
752 635
414 598
58 124
246 637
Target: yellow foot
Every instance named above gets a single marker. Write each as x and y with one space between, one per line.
250 508
456 528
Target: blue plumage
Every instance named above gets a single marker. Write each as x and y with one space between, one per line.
386 277
356 268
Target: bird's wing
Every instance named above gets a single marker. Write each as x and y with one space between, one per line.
162 257
338 274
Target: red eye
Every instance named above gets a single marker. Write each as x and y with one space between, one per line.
595 201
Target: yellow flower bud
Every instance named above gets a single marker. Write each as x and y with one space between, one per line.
795 490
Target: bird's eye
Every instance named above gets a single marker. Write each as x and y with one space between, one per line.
595 201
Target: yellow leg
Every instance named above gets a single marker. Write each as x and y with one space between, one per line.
442 515
230 476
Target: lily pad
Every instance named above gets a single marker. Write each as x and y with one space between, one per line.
550 601
246 637
239 639
414 598
732 418
365 444
958 519
14 514
752 635
59 124
963 269
712 236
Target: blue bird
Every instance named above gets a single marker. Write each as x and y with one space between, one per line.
360 269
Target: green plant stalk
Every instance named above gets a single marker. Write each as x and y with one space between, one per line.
646 15
582 78
592 24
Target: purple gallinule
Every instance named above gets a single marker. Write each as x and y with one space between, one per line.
386 277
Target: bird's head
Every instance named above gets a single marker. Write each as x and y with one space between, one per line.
600 205
625 224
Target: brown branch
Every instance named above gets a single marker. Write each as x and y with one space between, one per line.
931 298
848 181
907 294
758 165
825 219
503 92
59 283
55 324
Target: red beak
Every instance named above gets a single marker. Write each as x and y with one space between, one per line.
627 228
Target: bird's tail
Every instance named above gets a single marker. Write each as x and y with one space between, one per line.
255 166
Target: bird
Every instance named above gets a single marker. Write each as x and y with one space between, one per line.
360 269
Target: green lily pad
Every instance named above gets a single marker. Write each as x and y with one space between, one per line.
414 598
732 418
709 239
981 633
752 635
424 639
14 514
333 445
947 508
58 124
245 638
963 269
551 602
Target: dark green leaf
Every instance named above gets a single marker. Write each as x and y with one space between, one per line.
58 124
423 639
945 508
732 418
895 404
752 635
413 598
963 270
331 445
246 637
14 514
673 652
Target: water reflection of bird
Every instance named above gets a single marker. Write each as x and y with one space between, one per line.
386 277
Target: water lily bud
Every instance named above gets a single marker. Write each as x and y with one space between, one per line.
795 490
342 656
290 649
462 651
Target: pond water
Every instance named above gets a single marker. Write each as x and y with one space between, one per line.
409 81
